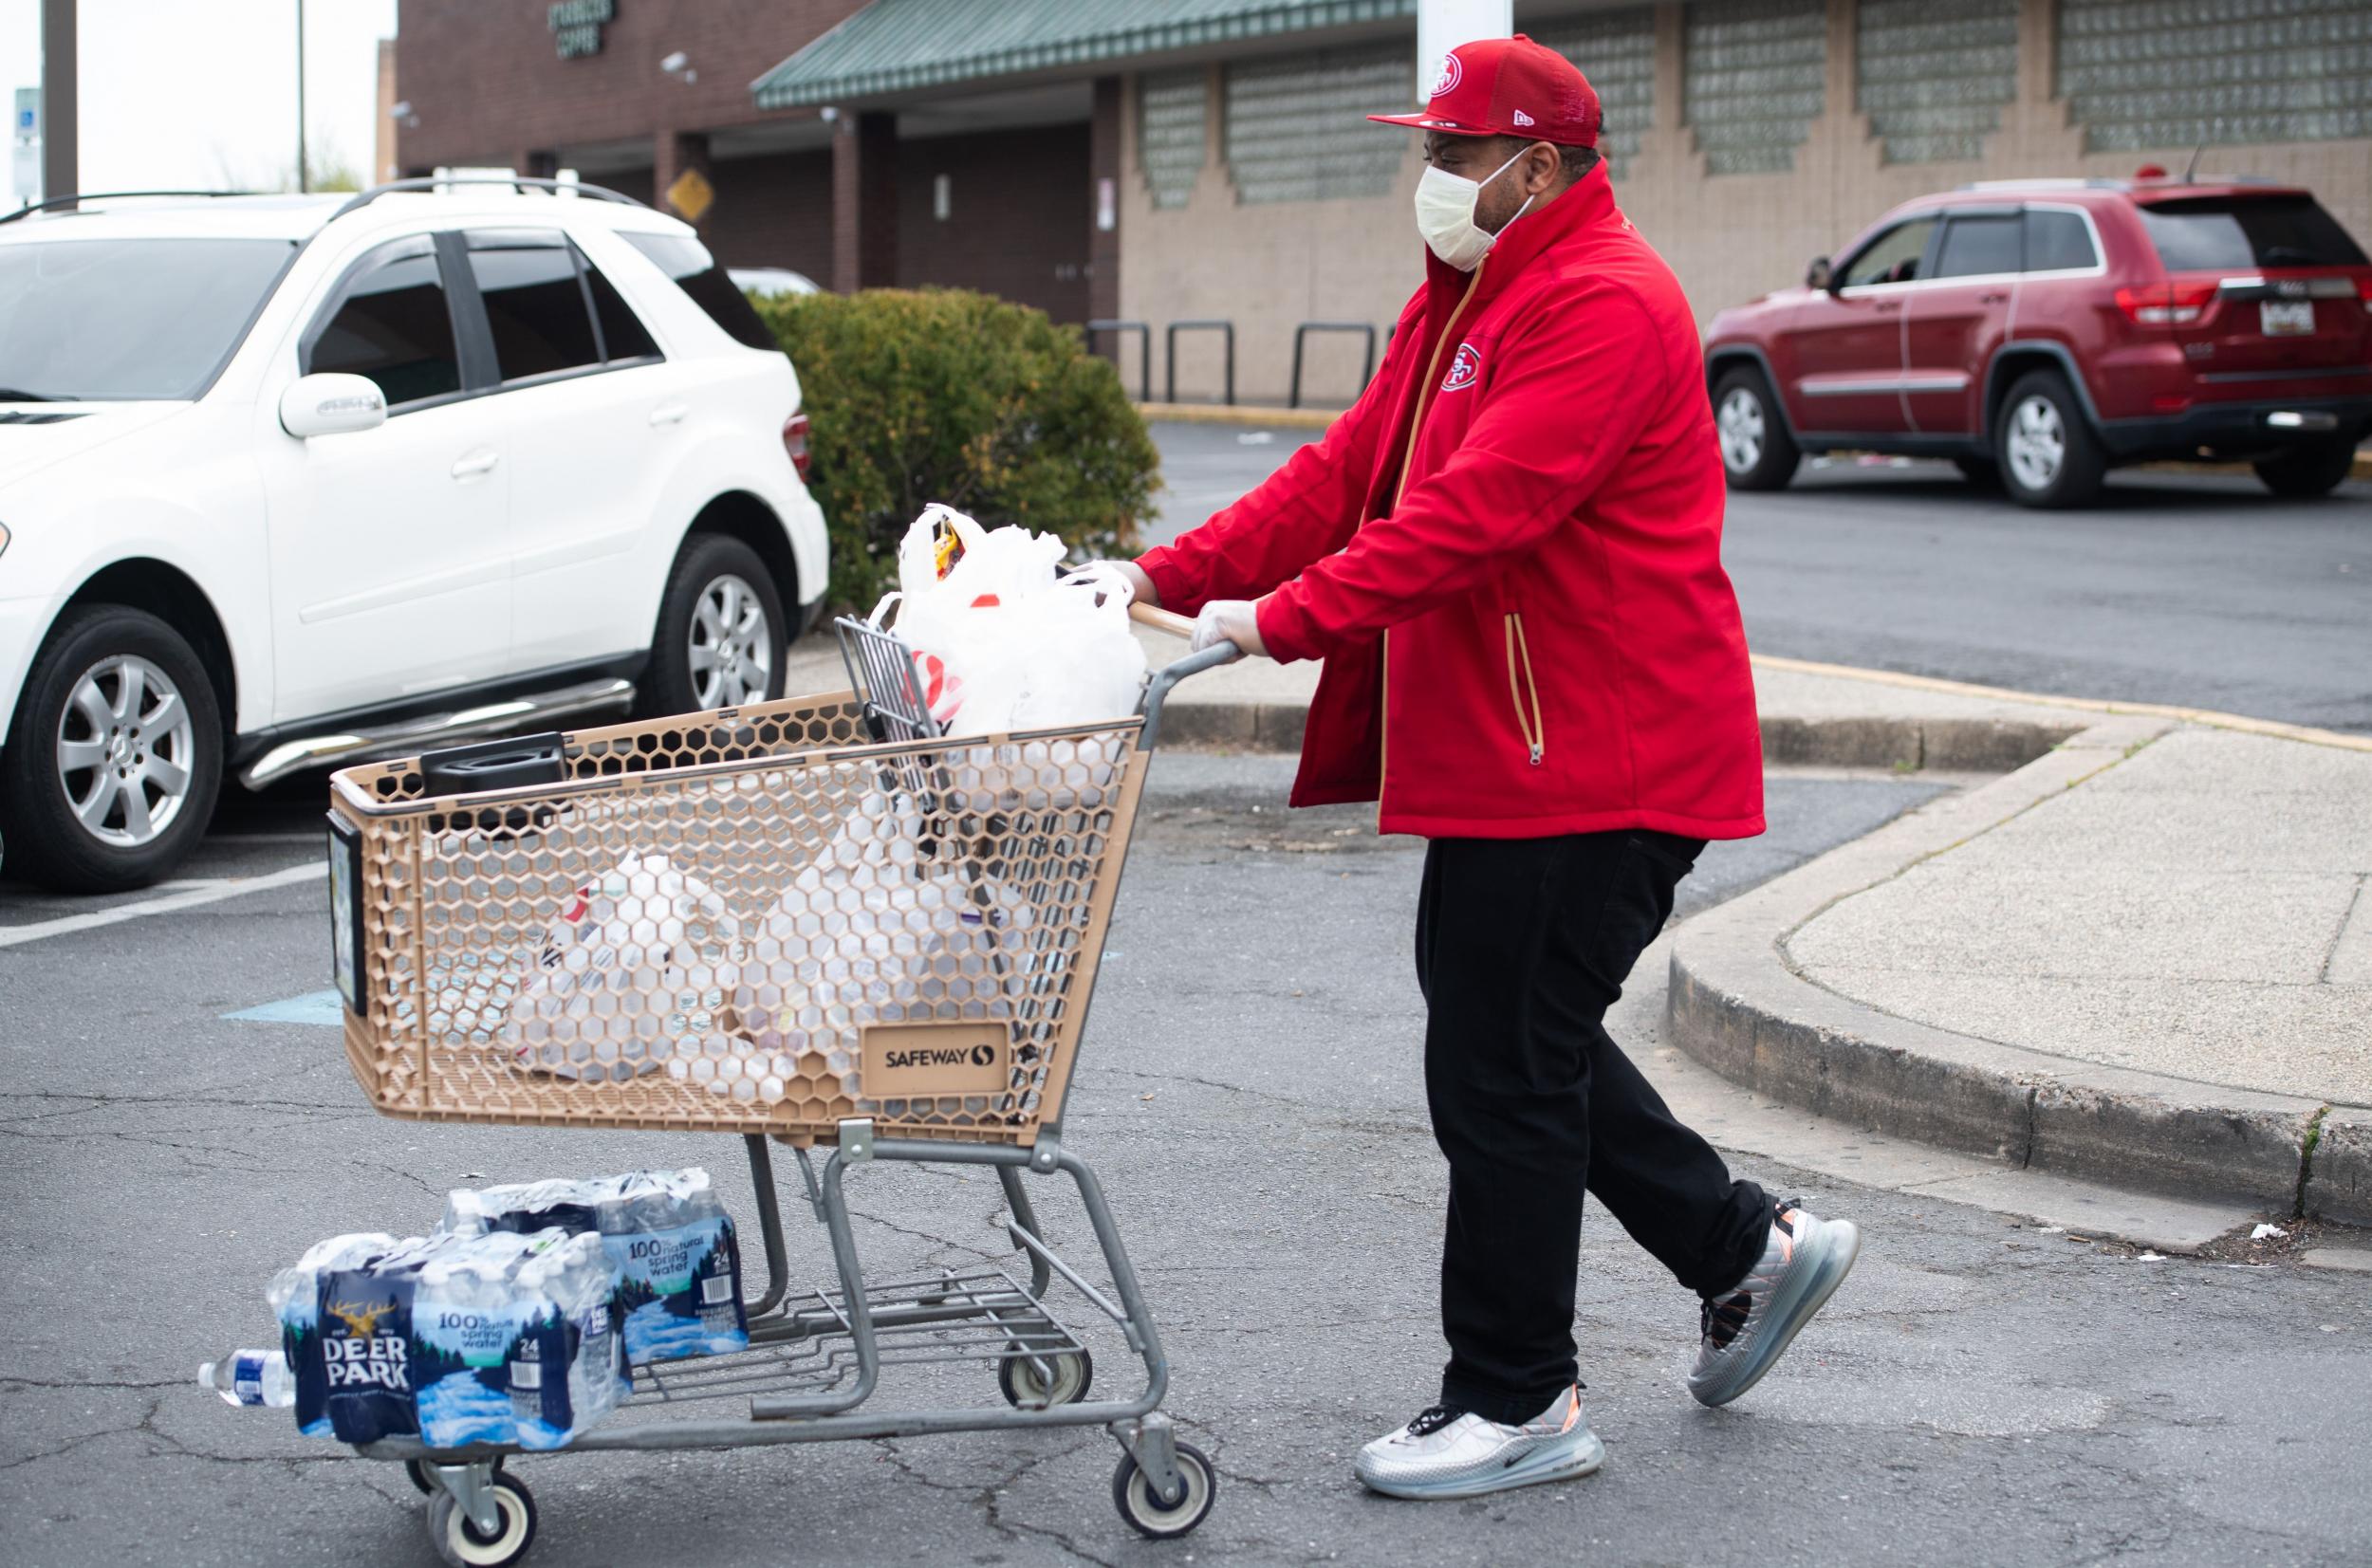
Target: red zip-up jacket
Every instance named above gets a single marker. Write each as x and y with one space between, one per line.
1508 554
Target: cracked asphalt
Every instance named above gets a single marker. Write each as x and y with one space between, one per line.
1977 1392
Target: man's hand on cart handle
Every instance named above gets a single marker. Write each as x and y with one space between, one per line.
1234 620
1140 581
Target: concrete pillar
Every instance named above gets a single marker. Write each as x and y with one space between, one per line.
1104 220
864 202
672 152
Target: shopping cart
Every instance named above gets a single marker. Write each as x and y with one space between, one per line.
784 828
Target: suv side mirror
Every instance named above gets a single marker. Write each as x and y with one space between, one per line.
1817 274
331 403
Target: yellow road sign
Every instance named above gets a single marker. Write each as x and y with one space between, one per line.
691 195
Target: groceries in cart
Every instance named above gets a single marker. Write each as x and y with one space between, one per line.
675 1262
1002 642
499 1337
870 933
632 963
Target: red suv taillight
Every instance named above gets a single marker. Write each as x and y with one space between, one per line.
795 442
2167 304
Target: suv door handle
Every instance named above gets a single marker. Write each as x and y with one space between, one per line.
473 464
1887 307
1993 298
670 413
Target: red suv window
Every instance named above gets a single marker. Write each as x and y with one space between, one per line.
2210 233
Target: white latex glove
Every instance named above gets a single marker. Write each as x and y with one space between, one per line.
1139 583
1234 620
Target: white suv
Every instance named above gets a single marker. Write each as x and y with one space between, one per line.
290 481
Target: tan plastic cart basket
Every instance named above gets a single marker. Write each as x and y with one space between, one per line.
747 921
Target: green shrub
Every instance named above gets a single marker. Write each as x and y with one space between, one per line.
948 396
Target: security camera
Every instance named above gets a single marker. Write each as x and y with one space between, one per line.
400 111
674 62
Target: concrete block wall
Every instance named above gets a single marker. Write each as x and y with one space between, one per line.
1729 237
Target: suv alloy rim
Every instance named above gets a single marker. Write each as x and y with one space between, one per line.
1741 426
2038 443
732 648
126 750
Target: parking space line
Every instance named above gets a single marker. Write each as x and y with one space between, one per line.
312 1007
210 892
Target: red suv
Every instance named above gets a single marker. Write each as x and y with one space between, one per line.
2041 332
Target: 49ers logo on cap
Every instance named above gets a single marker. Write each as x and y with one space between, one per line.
1448 77
1464 366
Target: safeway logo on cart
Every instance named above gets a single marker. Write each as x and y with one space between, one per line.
908 1060
1464 366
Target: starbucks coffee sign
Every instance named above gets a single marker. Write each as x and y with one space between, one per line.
577 26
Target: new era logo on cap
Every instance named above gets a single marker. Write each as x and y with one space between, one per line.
1479 85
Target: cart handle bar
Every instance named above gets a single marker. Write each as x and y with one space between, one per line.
1178 670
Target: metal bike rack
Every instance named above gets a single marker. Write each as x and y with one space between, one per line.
1227 331
1144 351
1367 370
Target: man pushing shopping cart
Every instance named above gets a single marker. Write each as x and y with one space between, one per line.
1508 554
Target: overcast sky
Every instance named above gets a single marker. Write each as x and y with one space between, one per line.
202 93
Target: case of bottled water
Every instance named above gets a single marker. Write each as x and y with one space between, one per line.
674 1261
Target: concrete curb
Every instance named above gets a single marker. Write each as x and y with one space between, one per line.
1311 418
1736 1005
1961 745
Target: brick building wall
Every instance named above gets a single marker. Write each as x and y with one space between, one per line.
773 211
1020 215
1728 236
488 86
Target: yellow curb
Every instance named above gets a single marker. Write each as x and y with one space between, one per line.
2272 727
1239 413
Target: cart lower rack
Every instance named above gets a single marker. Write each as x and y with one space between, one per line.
843 933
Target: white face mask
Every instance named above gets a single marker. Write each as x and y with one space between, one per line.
1445 213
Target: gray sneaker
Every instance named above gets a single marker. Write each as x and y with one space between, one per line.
1747 1330
1450 1452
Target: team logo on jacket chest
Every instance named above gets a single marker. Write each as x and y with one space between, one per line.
1464 366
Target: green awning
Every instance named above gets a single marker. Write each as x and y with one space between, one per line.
896 46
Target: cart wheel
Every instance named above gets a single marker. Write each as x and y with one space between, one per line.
457 1541
422 1481
1132 1495
1024 1389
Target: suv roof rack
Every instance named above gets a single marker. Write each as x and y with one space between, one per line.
522 183
2093 184
31 208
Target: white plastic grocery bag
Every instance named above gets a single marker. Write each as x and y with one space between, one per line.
870 933
637 958
1003 643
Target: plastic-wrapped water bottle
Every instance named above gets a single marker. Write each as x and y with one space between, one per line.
251 1377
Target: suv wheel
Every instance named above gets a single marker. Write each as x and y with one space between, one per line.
1757 452
115 757
721 634
2049 456
2315 469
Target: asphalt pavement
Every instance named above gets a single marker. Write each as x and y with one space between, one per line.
2196 589
1977 1392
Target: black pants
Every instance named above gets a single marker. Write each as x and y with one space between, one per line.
1522 945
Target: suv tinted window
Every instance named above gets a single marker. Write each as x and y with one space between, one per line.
1892 257
2207 233
687 262
625 338
391 325
1979 247
127 318
535 304
2058 242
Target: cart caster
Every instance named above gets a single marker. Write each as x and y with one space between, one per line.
419 1471
1131 1494
459 1542
1025 1389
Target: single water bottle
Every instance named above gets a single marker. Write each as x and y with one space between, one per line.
251 1377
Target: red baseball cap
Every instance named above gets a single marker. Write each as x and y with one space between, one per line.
1509 86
